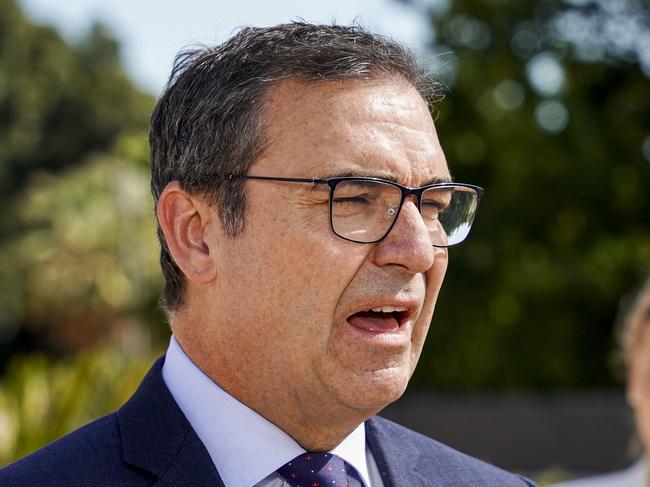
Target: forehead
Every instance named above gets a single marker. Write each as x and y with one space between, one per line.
376 127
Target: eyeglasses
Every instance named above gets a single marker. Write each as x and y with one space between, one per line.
365 209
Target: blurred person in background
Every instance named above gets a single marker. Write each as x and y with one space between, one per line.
635 345
305 208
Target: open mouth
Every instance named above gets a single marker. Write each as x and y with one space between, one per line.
379 320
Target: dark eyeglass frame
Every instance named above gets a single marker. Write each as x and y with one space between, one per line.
406 191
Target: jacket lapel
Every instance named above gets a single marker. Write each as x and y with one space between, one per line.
396 457
157 437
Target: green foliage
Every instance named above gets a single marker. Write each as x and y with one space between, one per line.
77 234
84 257
58 103
41 399
530 299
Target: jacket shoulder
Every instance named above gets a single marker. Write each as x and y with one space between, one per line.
435 463
89 456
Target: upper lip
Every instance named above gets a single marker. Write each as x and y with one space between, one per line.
405 309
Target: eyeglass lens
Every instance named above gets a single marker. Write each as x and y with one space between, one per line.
364 211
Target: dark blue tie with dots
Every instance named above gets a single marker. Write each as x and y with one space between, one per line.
317 470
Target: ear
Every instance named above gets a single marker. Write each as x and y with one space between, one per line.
185 222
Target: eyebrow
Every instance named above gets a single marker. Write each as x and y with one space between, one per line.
387 176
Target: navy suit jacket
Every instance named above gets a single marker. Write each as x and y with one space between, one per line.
149 442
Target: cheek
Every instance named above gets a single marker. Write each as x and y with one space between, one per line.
290 267
435 276
304 272
439 268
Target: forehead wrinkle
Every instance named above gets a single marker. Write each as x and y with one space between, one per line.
397 142
388 158
409 137
396 131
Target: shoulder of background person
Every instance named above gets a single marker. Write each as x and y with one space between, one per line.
633 476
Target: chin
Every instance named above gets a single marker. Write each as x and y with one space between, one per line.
374 390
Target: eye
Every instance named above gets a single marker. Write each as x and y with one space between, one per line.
434 205
436 199
358 200
363 197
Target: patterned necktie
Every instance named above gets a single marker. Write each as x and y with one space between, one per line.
317 470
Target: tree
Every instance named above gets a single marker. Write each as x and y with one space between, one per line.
72 146
85 261
548 109
58 103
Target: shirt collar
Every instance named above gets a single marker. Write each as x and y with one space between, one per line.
244 446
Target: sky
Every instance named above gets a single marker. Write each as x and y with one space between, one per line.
152 32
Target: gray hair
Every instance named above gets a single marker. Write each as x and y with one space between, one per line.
209 121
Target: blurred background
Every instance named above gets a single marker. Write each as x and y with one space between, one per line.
547 107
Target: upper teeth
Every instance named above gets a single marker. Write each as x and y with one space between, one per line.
387 309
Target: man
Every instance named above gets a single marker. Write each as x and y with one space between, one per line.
305 208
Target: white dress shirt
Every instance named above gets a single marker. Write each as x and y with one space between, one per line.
245 447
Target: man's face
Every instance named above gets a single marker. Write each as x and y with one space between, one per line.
291 299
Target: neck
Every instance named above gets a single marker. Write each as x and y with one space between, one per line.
316 424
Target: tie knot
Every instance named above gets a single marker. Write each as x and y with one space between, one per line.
316 470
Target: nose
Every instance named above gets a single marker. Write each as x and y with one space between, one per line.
408 244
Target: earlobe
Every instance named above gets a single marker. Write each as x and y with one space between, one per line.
184 220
